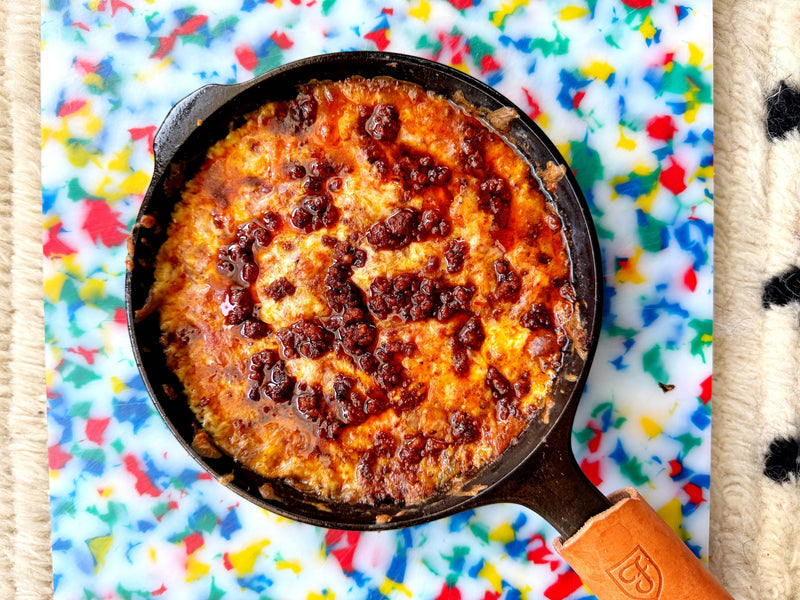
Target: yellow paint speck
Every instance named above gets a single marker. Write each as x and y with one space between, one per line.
489 573
244 560
503 534
388 586
53 286
569 13
195 569
506 9
599 70
651 428
121 160
624 142
629 272
647 29
95 80
421 11
93 289
117 385
672 514
704 172
291 565
99 547
695 55
136 183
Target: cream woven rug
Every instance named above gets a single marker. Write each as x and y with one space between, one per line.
755 489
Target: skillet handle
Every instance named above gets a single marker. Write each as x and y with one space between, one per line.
628 551
186 116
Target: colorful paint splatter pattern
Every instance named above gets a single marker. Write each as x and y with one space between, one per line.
624 89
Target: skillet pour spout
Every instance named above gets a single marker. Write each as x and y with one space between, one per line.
538 471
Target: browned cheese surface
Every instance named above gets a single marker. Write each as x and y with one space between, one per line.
364 292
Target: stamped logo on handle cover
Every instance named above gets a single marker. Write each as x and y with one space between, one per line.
637 575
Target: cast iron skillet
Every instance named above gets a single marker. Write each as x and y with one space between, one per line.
620 551
539 471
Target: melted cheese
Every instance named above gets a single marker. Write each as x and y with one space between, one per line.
455 421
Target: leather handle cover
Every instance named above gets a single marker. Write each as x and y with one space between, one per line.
629 552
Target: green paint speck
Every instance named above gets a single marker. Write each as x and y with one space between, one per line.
327 5
480 531
632 469
586 164
654 365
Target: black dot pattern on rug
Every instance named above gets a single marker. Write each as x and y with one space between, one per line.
783 111
782 289
783 459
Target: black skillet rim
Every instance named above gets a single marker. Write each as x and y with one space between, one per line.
205 116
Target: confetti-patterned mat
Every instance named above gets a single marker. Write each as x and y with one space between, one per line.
623 87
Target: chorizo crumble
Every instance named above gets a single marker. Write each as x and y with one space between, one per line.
365 293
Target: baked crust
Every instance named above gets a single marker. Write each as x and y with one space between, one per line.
365 293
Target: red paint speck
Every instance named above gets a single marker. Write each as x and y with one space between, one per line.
165 45
448 593
159 591
488 63
95 428
673 178
281 40
576 101
675 468
84 67
345 549
144 486
52 245
591 469
638 3
86 354
535 110
332 536
690 279
705 390
226 562
139 133
379 38
594 443
540 553
103 224
120 317
565 584
342 546
193 542
57 458
246 57
695 493
118 4
661 128
462 4
71 106
191 25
